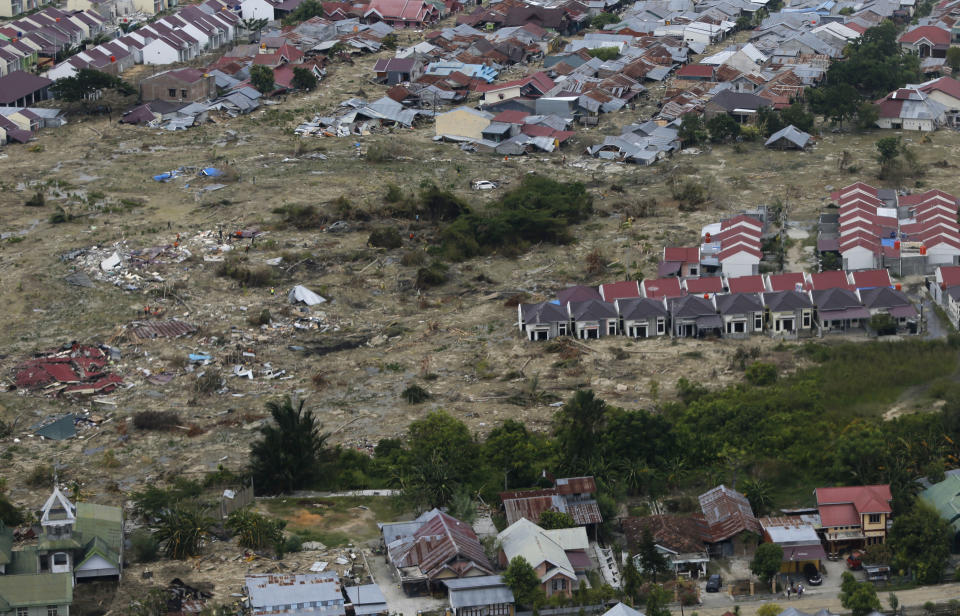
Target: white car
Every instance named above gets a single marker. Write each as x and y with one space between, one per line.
484 185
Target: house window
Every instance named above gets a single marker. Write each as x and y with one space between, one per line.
172 92
60 558
183 94
694 271
561 329
661 325
611 328
23 611
52 610
874 518
560 584
758 321
806 318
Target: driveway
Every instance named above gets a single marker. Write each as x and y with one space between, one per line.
935 329
397 601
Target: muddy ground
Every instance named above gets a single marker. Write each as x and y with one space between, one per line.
376 335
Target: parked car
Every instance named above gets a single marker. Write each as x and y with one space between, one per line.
855 560
813 576
484 185
714 583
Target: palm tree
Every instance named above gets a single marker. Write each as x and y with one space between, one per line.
182 530
292 448
757 492
254 25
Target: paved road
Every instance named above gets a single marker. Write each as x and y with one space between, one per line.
935 329
814 600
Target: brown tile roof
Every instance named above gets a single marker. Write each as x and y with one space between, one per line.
681 533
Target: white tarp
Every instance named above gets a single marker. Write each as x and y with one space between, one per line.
301 293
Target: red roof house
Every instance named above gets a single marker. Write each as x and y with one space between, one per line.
619 290
868 279
855 515
702 286
835 279
661 287
746 284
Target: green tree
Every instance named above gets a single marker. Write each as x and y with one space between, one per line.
86 83
631 579
555 519
888 148
867 115
182 530
920 541
692 130
254 25
254 530
441 458
652 563
723 128
657 602
513 450
835 102
757 492
304 11
797 115
523 581
10 514
883 324
858 597
605 53
769 609
303 79
578 426
602 19
953 58
291 450
767 561
769 120
761 374
261 77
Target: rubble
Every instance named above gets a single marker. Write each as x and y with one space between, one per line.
72 369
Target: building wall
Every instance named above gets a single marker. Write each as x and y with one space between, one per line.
501 95
158 88
740 265
461 123
858 259
257 9
159 52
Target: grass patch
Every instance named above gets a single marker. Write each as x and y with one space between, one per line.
337 521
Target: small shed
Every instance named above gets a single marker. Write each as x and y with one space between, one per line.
789 138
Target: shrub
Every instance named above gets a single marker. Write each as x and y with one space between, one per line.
260 318
246 276
143 545
37 200
301 216
760 374
60 216
209 382
156 420
385 237
385 151
41 476
394 194
412 258
415 394
433 275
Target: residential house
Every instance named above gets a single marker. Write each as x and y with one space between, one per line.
392 71
12 8
926 41
571 495
20 89
870 279
625 289
578 293
531 86
839 310
945 290
741 106
946 91
366 600
830 279
854 516
789 138
294 593
798 539
692 316
642 317
789 313
661 288
742 314
36 594
184 85
681 539
682 261
439 547
787 281
892 302
728 515
485 595
543 321
402 13
910 109
622 610
746 284
697 72
559 556
943 496
258 9
707 287
463 123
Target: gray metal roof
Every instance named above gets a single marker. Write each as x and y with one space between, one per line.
792 134
367 599
739 303
475 597
481 581
638 308
782 301
286 589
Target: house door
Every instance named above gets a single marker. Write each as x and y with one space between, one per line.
787 325
640 331
592 332
612 328
541 334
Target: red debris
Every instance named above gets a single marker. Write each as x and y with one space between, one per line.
77 369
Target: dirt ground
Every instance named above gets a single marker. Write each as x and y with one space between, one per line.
376 335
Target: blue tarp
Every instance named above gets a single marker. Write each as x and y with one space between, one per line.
212 172
200 357
163 177
887 242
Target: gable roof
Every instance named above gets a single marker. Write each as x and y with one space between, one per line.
746 284
640 308
619 290
36 590
578 293
831 279
544 312
945 498
538 546
835 299
592 310
728 513
866 279
786 281
843 506
739 303
662 287
439 541
885 297
683 254
691 306
682 534
17 84
933 34
709 284
783 301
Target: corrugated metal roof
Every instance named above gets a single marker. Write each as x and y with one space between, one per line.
270 590
143 330
478 597
728 513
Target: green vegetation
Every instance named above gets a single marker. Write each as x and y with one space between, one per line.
767 561
304 11
523 581
539 210
291 452
261 77
182 530
920 542
605 53
85 83
303 79
603 19
414 394
693 131
556 519
858 597
722 128
254 530
385 237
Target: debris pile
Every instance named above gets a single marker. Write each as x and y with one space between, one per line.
72 369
